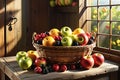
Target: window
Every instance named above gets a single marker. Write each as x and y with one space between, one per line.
105 22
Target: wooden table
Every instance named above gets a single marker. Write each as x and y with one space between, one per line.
9 67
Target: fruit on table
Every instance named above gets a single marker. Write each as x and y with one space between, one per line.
98 59
82 39
66 41
66 31
25 62
48 41
63 68
54 32
38 69
20 54
78 31
87 62
40 61
55 67
32 54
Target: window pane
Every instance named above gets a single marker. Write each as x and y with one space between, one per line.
104 27
115 1
116 28
103 2
93 3
116 13
104 13
116 43
104 41
94 26
94 13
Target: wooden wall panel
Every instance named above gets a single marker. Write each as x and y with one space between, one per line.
2 28
38 19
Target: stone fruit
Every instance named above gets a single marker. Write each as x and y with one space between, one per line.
87 62
66 31
40 61
82 39
63 68
25 62
54 32
55 67
32 54
20 54
98 59
38 69
48 41
66 41
78 31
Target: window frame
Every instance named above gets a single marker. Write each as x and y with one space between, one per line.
103 49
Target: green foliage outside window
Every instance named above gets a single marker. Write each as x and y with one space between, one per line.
103 13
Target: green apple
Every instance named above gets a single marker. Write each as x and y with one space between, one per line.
52 3
82 39
66 31
74 37
66 41
68 2
62 2
25 62
20 54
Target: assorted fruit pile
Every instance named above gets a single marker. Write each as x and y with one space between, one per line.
32 61
64 37
54 3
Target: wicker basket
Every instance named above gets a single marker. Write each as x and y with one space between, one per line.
64 54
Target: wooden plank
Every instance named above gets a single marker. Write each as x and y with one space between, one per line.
12 69
2 9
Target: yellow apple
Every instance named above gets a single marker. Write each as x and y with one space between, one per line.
78 31
48 41
54 32
32 54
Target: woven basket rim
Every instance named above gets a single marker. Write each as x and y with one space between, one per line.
63 47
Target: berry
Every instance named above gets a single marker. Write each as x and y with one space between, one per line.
63 68
38 69
90 41
75 43
39 41
45 70
57 43
58 38
72 67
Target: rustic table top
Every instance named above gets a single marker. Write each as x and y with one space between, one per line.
10 67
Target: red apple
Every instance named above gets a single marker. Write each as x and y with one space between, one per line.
82 38
55 67
63 68
38 69
98 59
87 62
40 61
